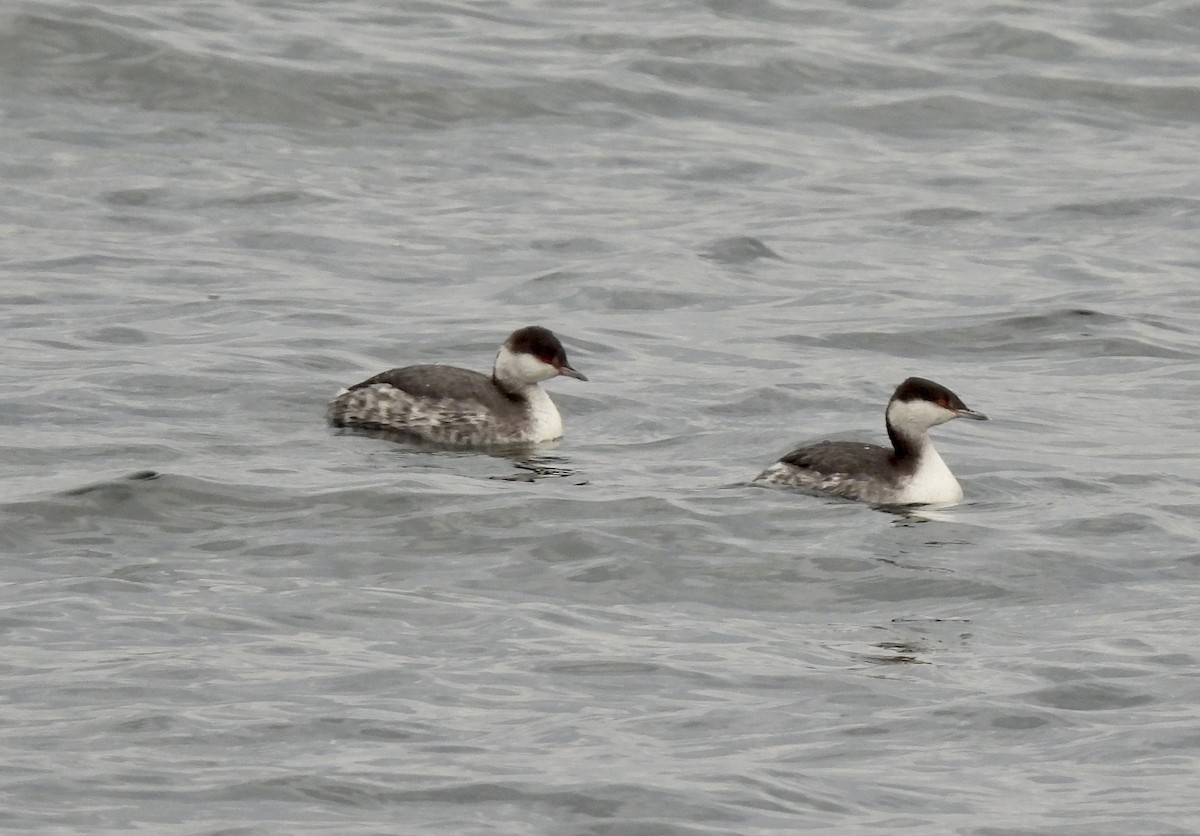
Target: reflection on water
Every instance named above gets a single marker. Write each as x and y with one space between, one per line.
540 467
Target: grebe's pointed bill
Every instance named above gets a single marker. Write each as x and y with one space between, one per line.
970 413
567 371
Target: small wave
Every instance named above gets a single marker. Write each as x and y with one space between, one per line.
927 114
992 38
738 250
1164 102
1074 331
1133 207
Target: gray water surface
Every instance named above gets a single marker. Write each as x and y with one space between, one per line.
748 222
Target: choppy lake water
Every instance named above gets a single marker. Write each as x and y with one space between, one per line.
748 222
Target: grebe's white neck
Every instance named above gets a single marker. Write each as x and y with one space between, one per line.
545 424
519 373
931 482
908 425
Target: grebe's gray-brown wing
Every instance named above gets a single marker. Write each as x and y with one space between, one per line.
849 469
439 382
440 403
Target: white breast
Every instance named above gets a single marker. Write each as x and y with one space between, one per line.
545 424
932 484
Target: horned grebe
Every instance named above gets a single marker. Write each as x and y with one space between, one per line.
449 405
912 473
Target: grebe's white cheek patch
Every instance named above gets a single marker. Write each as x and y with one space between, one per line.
914 417
522 368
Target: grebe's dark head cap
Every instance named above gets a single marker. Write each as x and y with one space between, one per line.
541 343
921 389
